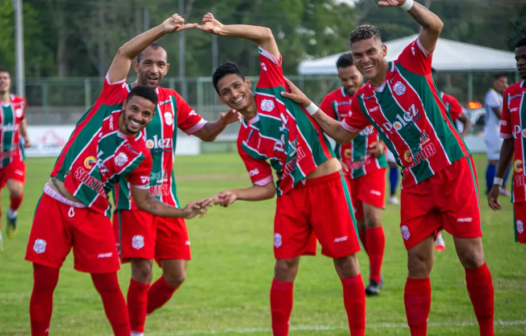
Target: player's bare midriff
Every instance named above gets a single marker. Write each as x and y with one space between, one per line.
328 167
58 186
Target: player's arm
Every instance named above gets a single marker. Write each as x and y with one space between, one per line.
260 35
430 22
497 111
211 130
254 193
330 126
147 203
467 124
506 155
121 63
23 133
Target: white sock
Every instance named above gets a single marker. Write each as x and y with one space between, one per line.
11 213
440 241
133 333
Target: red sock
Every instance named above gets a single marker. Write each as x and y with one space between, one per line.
281 301
107 285
137 303
363 239
417 300
354 301
158 294
375 248
41 304
481 293
15 202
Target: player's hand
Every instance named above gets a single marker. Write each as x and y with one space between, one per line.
176 23
27 143
296 95
211 25
344 167
377 148
193 209
230 116
493 197
391 3
224 198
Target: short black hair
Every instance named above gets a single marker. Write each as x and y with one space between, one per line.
224 69
155 46
145 92
364 32
521 43
2 69
500 75
344 61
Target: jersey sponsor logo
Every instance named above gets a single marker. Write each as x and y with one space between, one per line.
121 159
10 128
347 153
168 118
263 66
341 239
165 102
297 154
504 123
277 240
267 105
520 180
405 232
399 88
515 109
159 143
18 113
111 125
253 172
465 220
40 246
524 133
138 242
91 182
517 166
369 130
405 121
374 109
516 131
160 190
520 226
407 156
420 154
89 162
105 255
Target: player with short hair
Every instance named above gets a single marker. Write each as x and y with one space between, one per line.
107 145
364 158
141 236
513 131
313 194
13 135
439 186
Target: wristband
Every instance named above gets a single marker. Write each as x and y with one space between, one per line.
498 181
408 5
312 108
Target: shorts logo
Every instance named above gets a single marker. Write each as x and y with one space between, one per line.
517 166
277 240
19 172
399 88
405 232
40 246
187 243
105 255
376 192
168 119
520 226
465 220
121 159
267 105
138 242
89 162
341 239
18 113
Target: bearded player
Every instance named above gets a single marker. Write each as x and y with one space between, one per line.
513 131
313 195
143 237
439 185
365 159
107 145
13 130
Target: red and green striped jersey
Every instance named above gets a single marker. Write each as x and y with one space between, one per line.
452 106
97 155
513 125
161 139
355 155
12 114
282 132
410 117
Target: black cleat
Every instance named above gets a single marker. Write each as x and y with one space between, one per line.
374 287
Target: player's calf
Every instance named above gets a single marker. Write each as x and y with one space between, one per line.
16 192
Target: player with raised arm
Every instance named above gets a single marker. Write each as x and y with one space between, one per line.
107 145
13 130
439 185
141 236
313 195
366 164
513 147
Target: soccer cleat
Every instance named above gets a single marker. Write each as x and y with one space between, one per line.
505 192
374 287
11 227
440 248
394 200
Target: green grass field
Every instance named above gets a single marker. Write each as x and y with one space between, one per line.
228 281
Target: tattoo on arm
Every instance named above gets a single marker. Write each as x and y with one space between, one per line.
418 18
54 182
321 119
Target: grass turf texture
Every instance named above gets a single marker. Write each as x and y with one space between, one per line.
228 281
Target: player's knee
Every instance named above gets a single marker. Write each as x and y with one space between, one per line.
16 190
175 278
373 221
286 269
419 264
471 257
142 270
347 267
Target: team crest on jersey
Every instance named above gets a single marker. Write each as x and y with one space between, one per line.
277 240
40 246
89 162
138 242
517 166
267 105
145 179
263 66
399 88
168 118
18 113
121 159
405 232
520 226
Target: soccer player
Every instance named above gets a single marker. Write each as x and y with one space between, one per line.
12 168
493 107
512 131
313 195
439 186
365 159
106 145
141 236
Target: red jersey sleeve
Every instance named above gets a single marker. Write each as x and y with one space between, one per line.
140 176
455 110
326 106
112 93
187 119
506 128
24 108
259 171
271 74
416 59
355 121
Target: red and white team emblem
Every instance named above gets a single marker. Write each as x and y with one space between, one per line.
520 226
405 232
40 246
399 88
138 242
168 119
120 160
277 240
18 113
267 105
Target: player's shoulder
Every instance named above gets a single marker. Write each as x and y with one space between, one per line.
513 88
167 92
17 99
335 94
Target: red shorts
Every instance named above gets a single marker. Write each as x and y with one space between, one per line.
145 236
519 216
369 189
321 208
58 227
447 200
15 170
